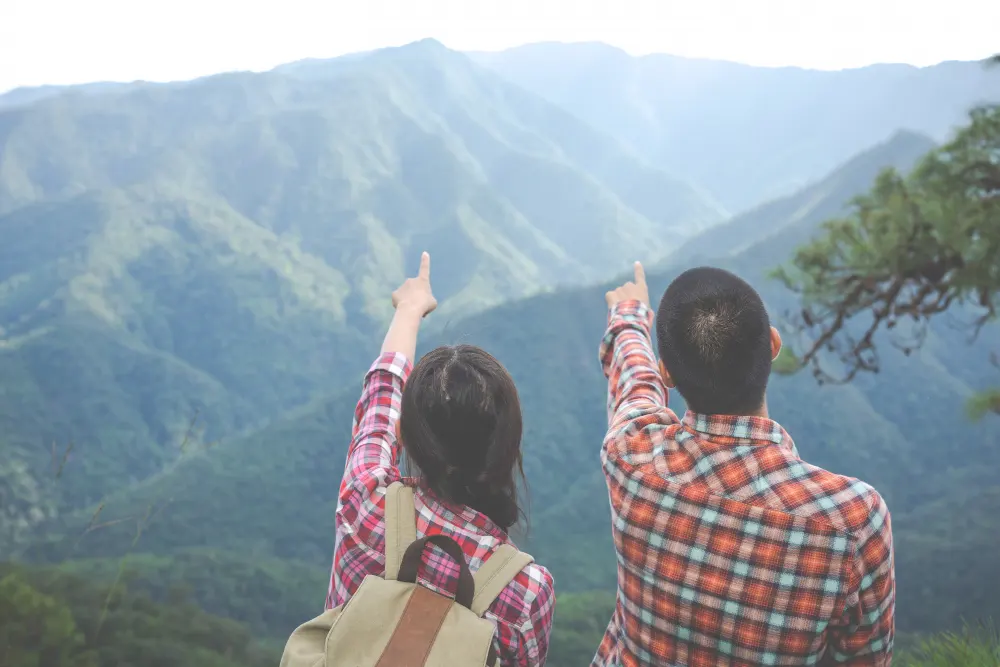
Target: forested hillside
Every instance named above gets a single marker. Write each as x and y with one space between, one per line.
224 247
194 276
782 128
272 494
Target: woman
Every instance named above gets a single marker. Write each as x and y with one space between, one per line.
459 424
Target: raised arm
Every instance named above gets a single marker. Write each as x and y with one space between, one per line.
374 450
627 357
372 457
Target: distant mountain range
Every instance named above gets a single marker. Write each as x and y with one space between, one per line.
193 277
746 134
222 246
743 134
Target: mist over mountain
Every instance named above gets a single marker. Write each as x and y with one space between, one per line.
747 134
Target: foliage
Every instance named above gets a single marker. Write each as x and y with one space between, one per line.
983 403
915 247
47 618
580 622
50 619
973 646
36 630
270 597
23 505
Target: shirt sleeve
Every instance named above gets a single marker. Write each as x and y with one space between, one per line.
371 462
865 632
374 451
629 362
534 645
636 392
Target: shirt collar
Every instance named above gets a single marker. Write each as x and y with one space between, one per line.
739 429
458 515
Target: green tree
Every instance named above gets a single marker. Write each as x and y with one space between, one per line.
973 646
37 630
581 620
50 618
914 247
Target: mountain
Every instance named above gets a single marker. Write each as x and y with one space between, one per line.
272 493
747 134
210 250
31 94
790 221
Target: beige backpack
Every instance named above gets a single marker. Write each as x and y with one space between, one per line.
393 621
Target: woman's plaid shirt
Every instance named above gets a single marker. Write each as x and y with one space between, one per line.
523 612
731 549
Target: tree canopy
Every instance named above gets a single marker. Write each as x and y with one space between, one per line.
914 247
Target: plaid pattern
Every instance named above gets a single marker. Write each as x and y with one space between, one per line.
731 549
523 612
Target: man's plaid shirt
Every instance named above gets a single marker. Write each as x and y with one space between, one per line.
731 549
523 612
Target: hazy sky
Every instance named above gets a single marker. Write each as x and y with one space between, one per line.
72 41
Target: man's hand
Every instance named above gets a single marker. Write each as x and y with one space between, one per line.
415 293
635 290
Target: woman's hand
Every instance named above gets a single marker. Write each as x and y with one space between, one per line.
415 293
413 301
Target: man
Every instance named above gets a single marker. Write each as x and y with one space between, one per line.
731 549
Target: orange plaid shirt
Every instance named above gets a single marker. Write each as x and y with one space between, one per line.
731 549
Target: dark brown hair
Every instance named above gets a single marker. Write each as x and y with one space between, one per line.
714 338
460 427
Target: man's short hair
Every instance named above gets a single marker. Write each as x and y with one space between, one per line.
714 338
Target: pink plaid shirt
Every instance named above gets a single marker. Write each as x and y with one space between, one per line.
523 612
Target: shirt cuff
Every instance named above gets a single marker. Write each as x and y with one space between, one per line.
394 363
631 312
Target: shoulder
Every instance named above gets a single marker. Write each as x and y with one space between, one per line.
852 506
366 490
536 580
640 435
645 420
539 596
528 601
524 612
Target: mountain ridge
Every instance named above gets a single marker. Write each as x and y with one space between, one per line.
611 49
781 128
224 240
883 442
741 232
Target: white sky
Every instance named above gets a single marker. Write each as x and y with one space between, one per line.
73 41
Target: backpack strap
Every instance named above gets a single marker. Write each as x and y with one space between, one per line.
400 526
498 571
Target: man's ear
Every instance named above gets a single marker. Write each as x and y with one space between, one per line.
668 382
775 343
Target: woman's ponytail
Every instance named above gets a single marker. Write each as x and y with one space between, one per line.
461 429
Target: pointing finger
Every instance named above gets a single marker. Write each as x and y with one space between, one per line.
425 266
640 274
